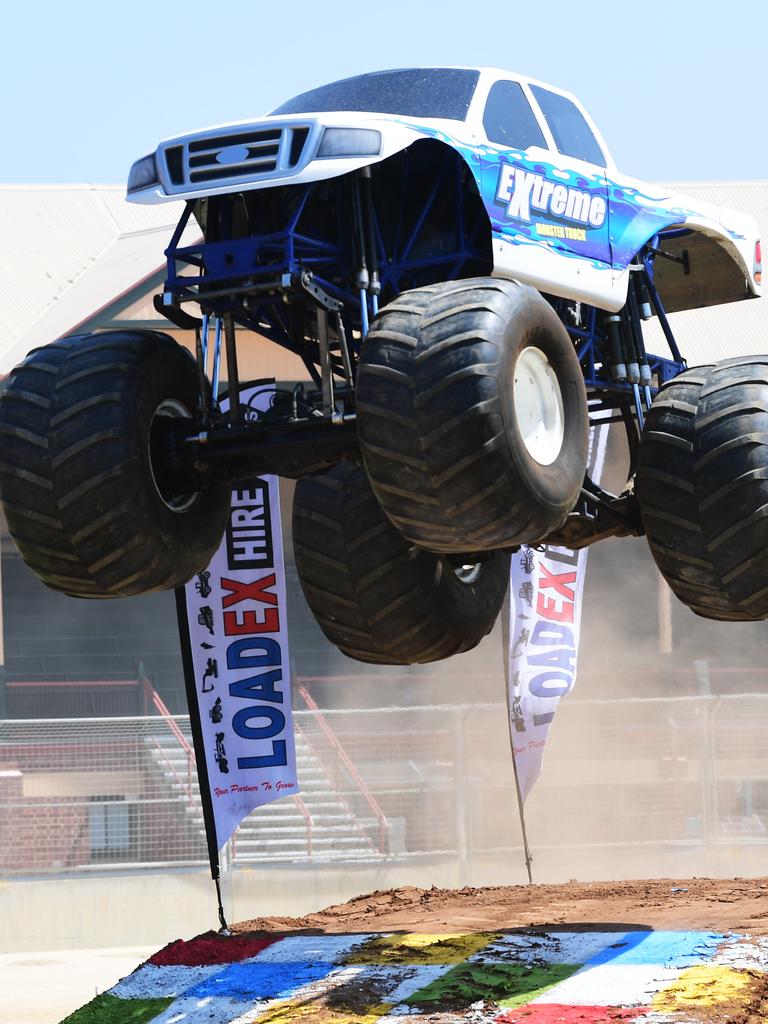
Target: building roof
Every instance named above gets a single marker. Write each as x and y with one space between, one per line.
69 251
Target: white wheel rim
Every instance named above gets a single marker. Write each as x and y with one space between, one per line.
175 410
467 573
538 406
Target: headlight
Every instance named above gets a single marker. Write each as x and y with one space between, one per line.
143 174
350 142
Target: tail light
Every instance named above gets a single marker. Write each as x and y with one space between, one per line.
757 273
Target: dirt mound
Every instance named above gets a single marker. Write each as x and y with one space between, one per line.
734 904
671 949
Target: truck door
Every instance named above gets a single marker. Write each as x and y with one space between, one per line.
577 206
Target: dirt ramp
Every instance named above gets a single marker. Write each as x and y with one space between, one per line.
739 904
669 951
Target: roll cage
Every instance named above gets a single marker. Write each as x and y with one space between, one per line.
313 282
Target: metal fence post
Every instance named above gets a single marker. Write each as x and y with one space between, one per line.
713 812
460 779
708 779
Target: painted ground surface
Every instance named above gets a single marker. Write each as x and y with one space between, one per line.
525 976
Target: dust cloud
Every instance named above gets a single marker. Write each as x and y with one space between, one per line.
654 767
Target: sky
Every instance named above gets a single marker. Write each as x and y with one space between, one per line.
676 87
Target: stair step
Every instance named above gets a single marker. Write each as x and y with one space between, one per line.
305 788
335 822
169 744
260 820
287 809
349 840
299 829
179 764
276 833
284 825
302 857
253 825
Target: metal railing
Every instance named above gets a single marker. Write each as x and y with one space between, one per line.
160 706
308 819
64 698
343 759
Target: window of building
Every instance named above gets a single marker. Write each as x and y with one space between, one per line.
509 120
110 823
573 136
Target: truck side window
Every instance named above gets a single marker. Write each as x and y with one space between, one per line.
573 136
508 119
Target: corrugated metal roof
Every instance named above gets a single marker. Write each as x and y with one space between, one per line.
58 242
131 217
69 250
120 265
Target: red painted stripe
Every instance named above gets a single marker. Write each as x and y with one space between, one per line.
555 1013
210 948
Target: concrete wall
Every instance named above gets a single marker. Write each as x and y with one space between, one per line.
153 908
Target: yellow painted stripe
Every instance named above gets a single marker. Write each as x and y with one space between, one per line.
703 986
415 948
289 1011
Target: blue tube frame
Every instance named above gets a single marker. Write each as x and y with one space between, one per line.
255 261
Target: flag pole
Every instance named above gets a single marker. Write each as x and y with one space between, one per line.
521 809
505 636
199 747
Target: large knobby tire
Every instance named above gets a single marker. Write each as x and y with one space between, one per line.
472 415
84 500
702 484
377 597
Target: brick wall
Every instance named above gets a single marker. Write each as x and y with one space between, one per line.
39 833
51 831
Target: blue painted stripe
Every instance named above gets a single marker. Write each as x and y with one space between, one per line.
261 981
668 949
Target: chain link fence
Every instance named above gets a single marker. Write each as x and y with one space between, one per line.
392 784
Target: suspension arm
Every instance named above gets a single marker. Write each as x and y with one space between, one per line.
292 449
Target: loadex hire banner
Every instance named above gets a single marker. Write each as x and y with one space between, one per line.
546 592
233 628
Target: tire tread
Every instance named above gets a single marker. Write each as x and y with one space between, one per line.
372 592
434 358
70 476
702 484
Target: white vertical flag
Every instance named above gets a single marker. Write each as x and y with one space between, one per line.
238 661
546 588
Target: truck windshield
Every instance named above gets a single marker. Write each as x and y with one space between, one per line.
412 92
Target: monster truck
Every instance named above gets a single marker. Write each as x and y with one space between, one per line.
465 275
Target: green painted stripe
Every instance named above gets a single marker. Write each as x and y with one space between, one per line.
107 1009
505 984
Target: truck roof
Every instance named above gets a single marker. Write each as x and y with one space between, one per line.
410 92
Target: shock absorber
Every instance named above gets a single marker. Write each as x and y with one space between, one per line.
618 365
630 347
362 279
641 292
639 308
370 226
